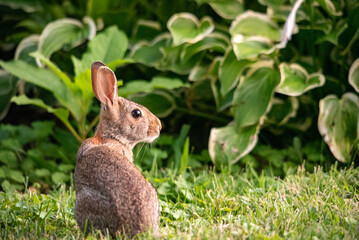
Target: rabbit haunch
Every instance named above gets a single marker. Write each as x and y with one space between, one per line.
111 193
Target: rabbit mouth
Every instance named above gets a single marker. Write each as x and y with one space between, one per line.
152 138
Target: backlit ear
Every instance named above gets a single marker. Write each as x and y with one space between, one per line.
104 83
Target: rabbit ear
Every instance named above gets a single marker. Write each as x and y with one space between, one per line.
104 83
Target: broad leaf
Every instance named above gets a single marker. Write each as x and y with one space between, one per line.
107 47
46 79
228 9
159 103
354 75
321 24
272 3
8 83
295 80
61 113
56 70
25 5
146 30
333 36
282 110
251 47
7 90
60 177
251 23
338 123
212 75
172 60
253 34
227 146
83 83
230 71
185 27
198 72
150 53
253 95
329 7
142 86
25 47
66 33
96 8
215 42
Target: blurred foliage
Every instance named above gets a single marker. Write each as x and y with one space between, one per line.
264 83
34 152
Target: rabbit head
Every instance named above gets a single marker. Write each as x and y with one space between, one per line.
120 119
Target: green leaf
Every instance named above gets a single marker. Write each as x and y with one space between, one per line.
338 123
83 84
172 60
15 175
66 167
146 30
354 75
96 8
227 145
15 144
272 3
42 129
56 70
214 42
42 172
329 7
251 47
60 177
27 46
198 72
65 32
295 80
230 71
228 9
150 53
185 27
7 90
142 86
333 36
8 157
250 24
282 110
184 157
108 46
167 83
2 172
159 103
46 79
61 113
253 95
8 187
25 5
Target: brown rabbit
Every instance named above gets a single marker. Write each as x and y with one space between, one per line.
111 193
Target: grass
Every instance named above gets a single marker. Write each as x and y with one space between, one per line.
209 205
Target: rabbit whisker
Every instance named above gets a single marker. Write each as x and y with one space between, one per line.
140 150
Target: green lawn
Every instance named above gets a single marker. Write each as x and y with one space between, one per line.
209 205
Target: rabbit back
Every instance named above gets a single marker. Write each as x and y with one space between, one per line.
111 192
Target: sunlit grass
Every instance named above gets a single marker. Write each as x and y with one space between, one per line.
209 205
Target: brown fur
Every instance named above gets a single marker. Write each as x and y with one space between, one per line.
111 193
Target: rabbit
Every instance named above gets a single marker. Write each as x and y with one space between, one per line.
111 193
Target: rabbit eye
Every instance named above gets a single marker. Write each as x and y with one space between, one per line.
136 113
